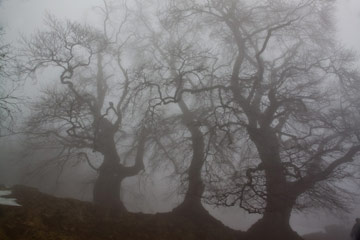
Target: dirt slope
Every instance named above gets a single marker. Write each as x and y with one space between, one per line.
43 217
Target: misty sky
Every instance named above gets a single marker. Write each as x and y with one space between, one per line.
24 16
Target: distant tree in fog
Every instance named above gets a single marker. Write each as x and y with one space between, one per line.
96 107
9 103
283 79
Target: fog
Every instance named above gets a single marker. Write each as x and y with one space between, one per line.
157 188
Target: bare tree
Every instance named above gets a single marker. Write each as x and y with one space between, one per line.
175 69
9 103
281 81
96 105
175 76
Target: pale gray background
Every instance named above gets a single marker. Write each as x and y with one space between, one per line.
24 16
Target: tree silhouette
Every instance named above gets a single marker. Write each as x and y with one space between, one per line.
93 108
282 79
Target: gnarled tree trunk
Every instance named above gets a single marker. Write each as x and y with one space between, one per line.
275 223
106 192
192 199
191 204
280 198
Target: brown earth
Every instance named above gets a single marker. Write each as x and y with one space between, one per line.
332 232
44 217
